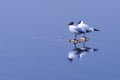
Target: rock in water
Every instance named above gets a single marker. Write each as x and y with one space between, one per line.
81 40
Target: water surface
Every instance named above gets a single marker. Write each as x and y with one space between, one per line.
34 34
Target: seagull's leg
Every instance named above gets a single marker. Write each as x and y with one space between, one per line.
84 34
75 46
75 36
83 44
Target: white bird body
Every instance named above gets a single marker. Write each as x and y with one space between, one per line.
72 54
86 28
74 29
77 52
80 52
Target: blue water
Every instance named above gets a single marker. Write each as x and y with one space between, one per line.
34 34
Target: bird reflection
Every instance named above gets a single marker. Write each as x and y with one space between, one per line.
79 52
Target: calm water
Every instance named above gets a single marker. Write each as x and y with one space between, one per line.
34 34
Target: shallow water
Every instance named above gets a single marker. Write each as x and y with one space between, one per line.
34 41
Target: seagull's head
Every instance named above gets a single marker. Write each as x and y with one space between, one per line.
80 22
71 23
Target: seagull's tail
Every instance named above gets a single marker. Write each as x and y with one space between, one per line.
96 29
95 49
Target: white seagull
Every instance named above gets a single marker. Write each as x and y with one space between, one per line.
80 52
75 29
86 28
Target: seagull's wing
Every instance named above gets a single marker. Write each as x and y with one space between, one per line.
80 30
90 29
85 26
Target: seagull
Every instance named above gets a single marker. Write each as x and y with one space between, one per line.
86 28
75 29
80 52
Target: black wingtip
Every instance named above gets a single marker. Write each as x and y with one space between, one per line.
96 49
96 30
